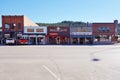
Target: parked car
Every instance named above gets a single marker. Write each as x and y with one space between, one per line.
23 41
10 41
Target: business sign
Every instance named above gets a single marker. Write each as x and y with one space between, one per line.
19 35
61 31
81 33
58 29
7 35
53 34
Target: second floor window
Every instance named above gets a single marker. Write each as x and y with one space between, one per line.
103 29
7 26
13 25
19 26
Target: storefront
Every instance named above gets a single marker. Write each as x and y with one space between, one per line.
58 35
81 35
35 34
105 32
12 34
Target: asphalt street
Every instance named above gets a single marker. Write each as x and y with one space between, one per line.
60 62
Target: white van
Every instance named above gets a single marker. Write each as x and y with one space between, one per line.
10 41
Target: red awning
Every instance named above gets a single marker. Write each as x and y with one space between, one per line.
53 34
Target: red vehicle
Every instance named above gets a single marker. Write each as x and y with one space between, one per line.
23 41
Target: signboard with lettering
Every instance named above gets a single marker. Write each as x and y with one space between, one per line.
53 34
61 31
81 33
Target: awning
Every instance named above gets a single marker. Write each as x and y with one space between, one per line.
81 36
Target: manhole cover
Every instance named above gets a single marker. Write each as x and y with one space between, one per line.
95 59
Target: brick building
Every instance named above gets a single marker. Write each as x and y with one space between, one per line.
12 26
58 35
105 31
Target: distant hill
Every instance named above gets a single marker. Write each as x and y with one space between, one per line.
63 23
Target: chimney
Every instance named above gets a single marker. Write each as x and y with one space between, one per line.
116 26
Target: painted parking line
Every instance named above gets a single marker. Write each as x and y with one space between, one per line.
52 73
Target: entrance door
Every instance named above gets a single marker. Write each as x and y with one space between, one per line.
32 40
52 40
40 40
81 40
12 35
75 41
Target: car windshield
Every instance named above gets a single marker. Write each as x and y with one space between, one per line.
10 39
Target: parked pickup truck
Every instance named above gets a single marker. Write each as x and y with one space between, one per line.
23 41
10 41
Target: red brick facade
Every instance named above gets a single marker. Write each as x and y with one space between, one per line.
12 25
105 29
58 35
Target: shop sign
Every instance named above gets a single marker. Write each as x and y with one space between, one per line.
19 35
58 29
7 34
53 34
32 35
41 36
81 33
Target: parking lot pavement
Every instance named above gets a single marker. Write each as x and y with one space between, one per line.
59 63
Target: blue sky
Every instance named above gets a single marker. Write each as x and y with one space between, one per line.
51 11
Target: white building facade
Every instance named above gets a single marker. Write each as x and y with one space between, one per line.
35 34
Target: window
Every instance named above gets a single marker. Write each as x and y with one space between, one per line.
99 29
7 26
30 30
108 29
103 29
39 30
13 25
19 26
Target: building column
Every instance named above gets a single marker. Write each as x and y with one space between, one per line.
29 39
36 41
44 40
71 40
78 40
85 40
